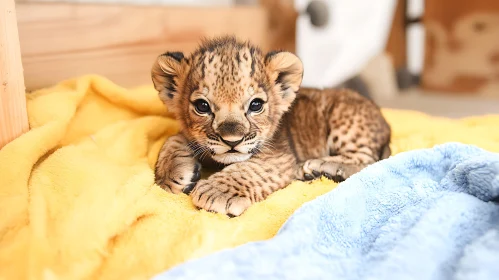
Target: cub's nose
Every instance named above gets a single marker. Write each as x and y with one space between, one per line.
232 143
231 133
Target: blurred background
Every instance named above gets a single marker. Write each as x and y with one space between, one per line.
436 56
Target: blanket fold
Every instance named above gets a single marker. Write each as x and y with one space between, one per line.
78 199
419 215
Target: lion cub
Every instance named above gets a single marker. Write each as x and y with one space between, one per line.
244 112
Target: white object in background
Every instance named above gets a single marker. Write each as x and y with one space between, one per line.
415 36
357 31
415 48
415 8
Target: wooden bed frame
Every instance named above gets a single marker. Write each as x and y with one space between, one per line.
13 115
44 43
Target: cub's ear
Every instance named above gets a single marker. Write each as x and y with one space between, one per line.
285 70
167 72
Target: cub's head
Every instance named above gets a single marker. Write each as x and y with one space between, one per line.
228 95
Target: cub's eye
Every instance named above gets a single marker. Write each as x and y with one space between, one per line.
256 105
202 106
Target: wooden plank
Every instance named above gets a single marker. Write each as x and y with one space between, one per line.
282 18
461 47
120 42
13 115
397 45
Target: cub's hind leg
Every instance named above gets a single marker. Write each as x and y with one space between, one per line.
358 136
336 168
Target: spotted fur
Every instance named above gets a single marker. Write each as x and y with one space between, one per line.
297 134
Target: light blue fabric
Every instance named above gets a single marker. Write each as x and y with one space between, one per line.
424 214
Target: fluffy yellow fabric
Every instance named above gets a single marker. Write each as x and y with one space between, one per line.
78 201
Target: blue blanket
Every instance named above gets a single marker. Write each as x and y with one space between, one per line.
424 214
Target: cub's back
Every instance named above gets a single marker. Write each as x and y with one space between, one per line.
321 121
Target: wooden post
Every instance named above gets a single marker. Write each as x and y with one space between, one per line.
13 114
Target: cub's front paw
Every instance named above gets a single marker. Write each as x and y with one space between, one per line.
215 196
180 174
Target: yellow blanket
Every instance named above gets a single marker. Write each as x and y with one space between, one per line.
77 198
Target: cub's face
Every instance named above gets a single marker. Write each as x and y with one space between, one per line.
228 96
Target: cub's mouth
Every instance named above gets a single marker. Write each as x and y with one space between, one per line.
231 157
233 151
